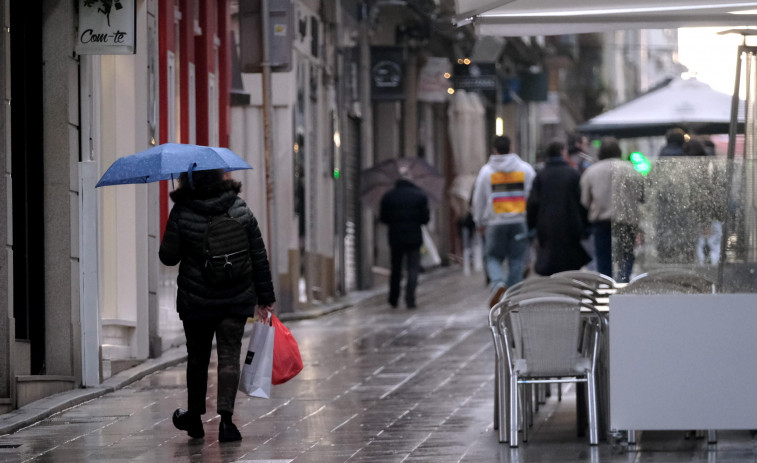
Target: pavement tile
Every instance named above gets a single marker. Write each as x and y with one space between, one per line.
379 385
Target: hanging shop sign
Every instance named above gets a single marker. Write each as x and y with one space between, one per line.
387 73
480 78
107 27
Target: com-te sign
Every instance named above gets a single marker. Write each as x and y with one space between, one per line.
106 27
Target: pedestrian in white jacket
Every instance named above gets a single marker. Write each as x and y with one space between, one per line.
499 210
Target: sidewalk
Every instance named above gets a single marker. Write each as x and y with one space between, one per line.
17 419
379 385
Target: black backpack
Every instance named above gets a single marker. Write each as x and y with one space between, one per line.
226 249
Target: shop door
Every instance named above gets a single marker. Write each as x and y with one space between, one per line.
28 179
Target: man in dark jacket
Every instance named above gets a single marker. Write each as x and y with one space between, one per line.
404 209
675 139
206 309
555 212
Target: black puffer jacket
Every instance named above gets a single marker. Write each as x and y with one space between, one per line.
405 208
183 241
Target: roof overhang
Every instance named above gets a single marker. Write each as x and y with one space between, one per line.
558 17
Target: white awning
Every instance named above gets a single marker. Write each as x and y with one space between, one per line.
557 17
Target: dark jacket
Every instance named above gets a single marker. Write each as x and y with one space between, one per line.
671 150
182 244
404 209
554 210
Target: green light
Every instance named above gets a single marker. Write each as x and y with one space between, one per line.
336 174
596 143
640 163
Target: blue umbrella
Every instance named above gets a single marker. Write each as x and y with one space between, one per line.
167 161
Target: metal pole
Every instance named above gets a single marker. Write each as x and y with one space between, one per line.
269 157
729 166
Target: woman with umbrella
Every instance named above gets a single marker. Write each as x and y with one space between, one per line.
206 307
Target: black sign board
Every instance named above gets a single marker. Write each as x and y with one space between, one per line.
387 73
477 78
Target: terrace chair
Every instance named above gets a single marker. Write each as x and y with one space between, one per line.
500 371
600 283
501 377
690 280
670 281
549 345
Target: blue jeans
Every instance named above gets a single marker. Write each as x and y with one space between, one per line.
602 232
505 242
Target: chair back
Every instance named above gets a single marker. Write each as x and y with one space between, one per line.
548 338
670 280
597 281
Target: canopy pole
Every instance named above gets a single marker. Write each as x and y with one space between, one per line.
729 166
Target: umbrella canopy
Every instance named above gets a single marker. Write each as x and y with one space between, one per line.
377 180
688 104
167 161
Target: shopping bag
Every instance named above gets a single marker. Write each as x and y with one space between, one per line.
255 379
287 361
429 255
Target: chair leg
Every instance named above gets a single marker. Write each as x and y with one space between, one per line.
527 397
496 395
513 406
593 425
501 403
528 406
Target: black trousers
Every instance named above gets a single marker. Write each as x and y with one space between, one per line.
199 333
412 256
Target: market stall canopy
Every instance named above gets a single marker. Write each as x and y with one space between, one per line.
686 103
557 17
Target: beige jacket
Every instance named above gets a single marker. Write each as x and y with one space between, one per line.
611 189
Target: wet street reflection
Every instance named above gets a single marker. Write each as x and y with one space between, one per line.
379 384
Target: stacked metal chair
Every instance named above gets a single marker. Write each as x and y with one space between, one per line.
545 330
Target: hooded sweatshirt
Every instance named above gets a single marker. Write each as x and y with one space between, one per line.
501 190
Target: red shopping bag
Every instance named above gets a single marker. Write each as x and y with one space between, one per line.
287 361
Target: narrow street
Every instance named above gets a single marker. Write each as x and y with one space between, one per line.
379 384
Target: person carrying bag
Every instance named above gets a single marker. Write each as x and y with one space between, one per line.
224 278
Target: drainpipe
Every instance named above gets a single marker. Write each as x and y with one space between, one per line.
365 274
269 155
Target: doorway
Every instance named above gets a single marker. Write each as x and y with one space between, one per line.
28 180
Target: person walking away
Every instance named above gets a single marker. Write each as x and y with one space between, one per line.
709 198
555 213
215 294
579 159
499 211
611 191
675 139
404 209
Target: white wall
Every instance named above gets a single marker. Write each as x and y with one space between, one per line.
124 209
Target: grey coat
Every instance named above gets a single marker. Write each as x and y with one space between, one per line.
182 244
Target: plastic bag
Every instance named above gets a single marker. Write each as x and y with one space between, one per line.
429 255
255 379
287 361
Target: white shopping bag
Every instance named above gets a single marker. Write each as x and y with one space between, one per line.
255 379
429 255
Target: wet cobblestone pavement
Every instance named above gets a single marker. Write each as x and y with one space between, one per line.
379 385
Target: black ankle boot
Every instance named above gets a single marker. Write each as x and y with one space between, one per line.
189 422
228 432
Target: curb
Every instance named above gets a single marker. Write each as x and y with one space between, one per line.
39 410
